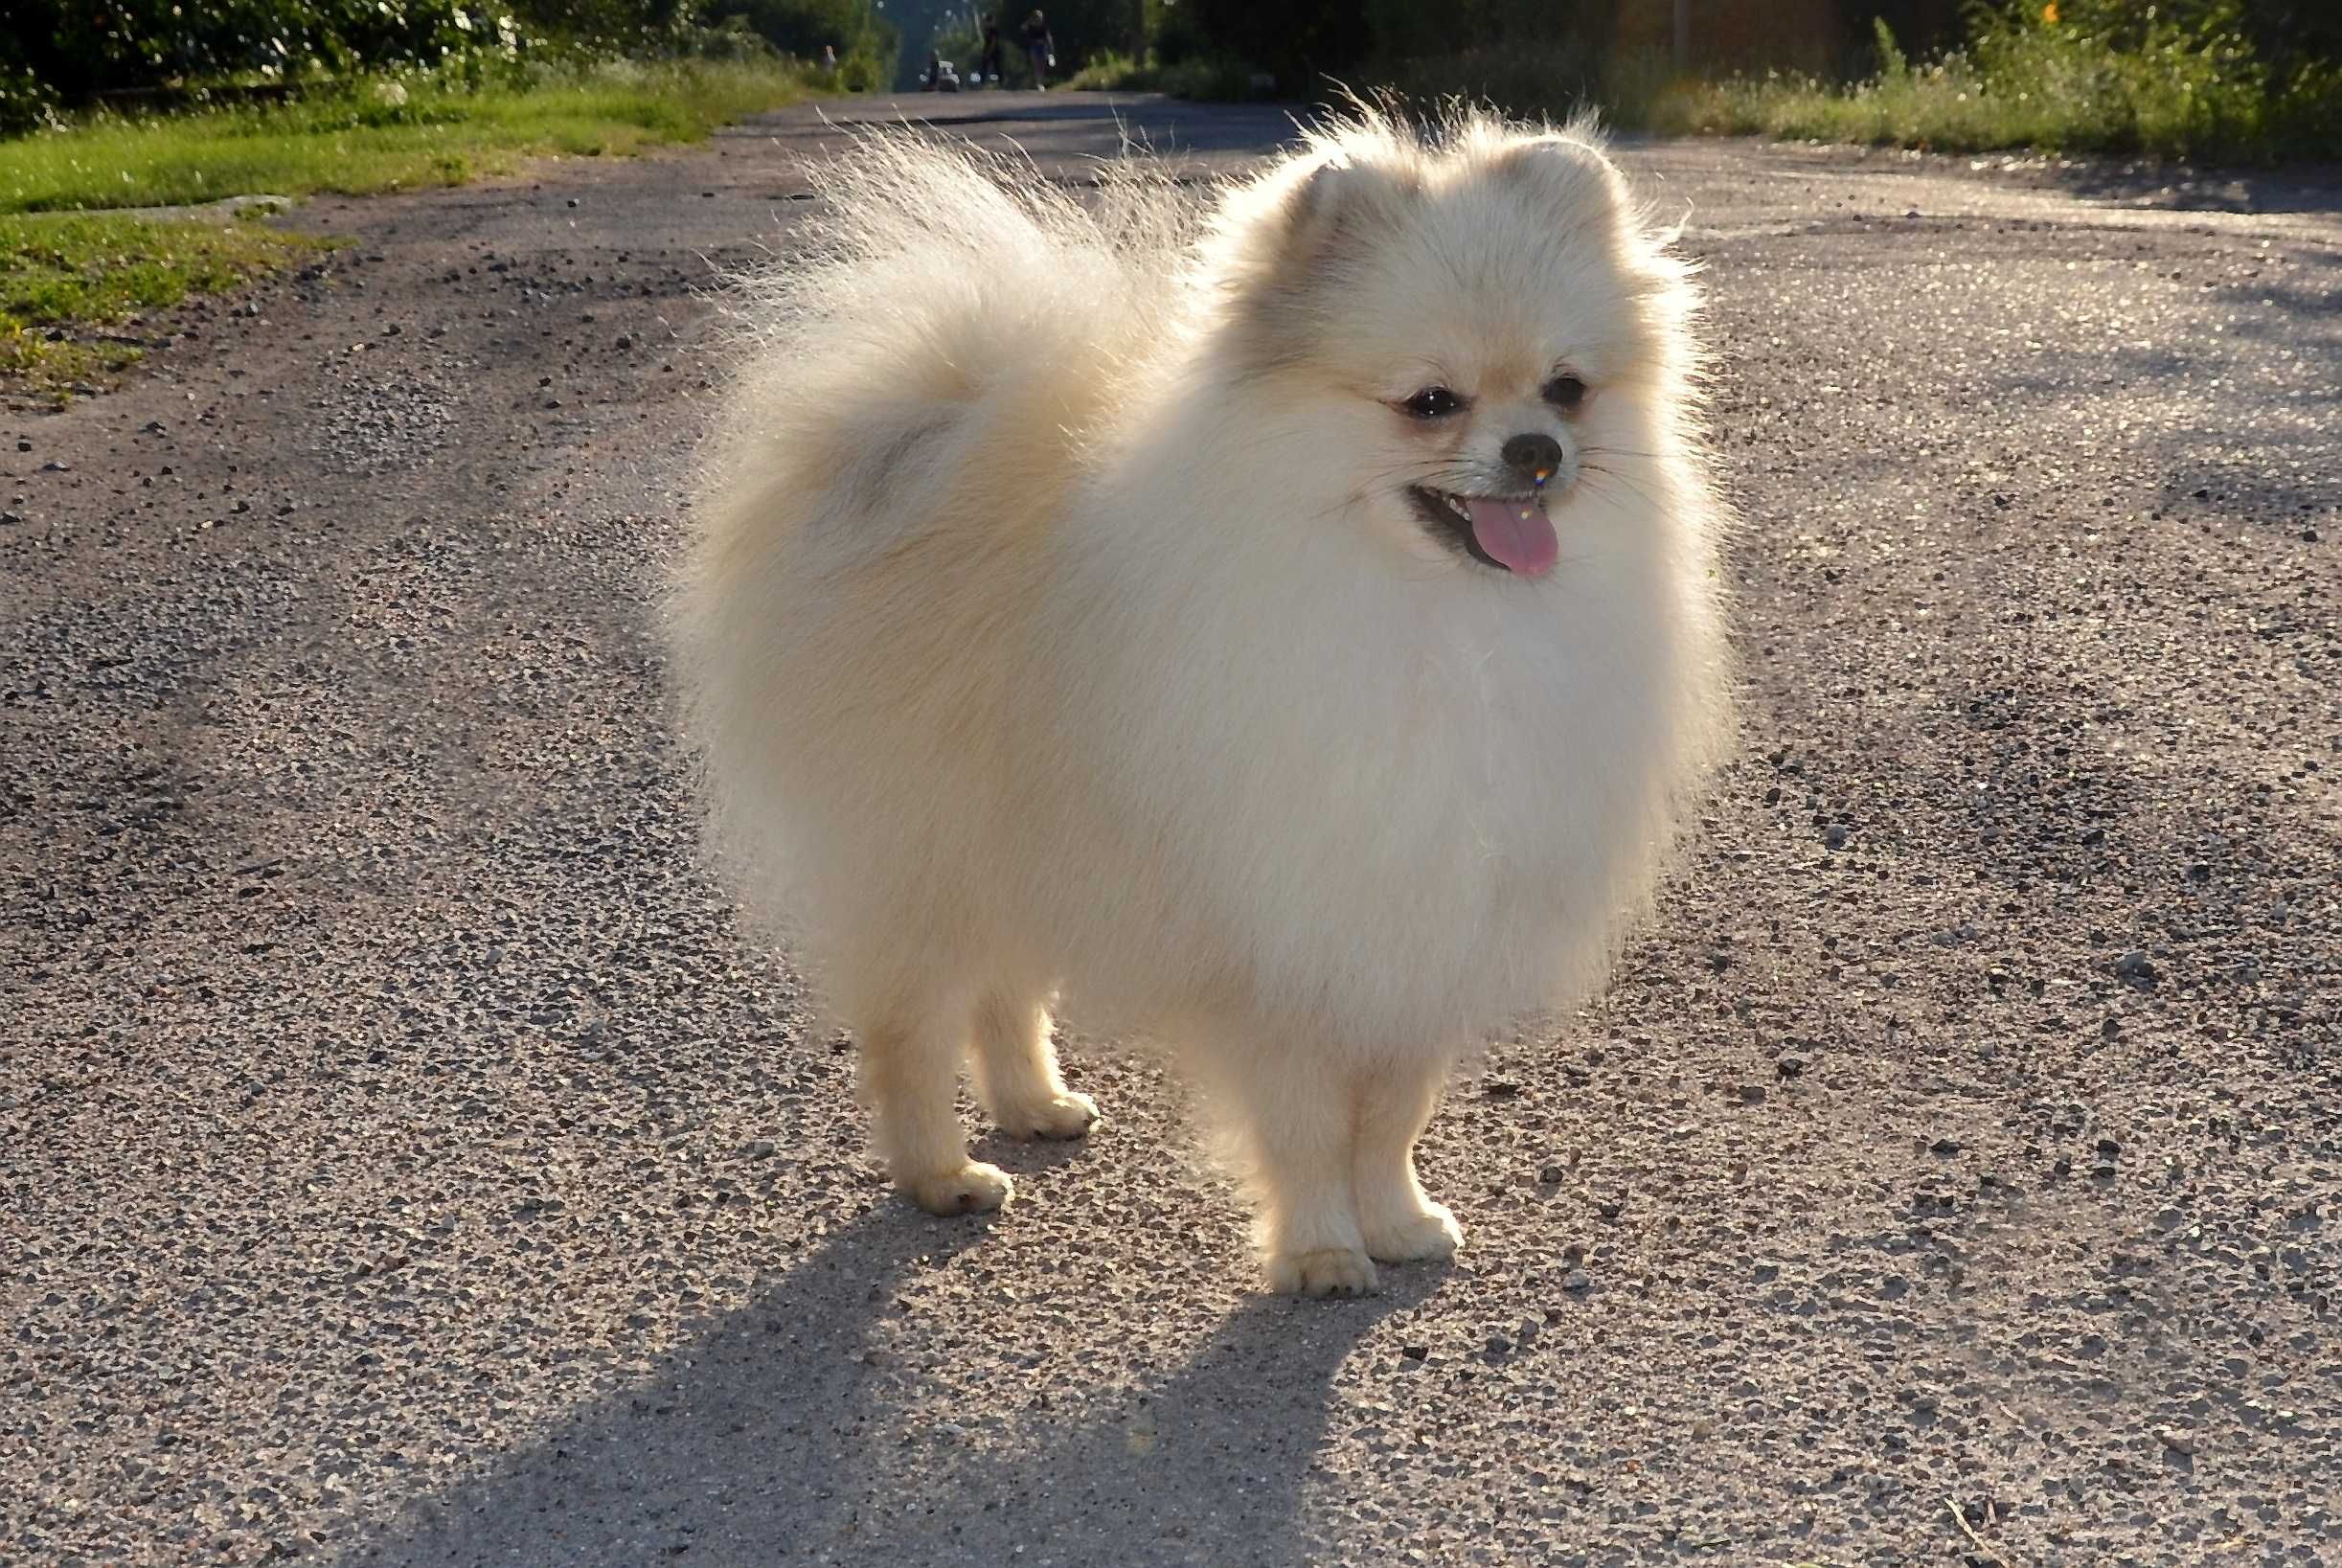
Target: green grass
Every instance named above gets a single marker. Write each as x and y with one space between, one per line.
1116 73
68 270
72 273
2035 79
1951 107
395 135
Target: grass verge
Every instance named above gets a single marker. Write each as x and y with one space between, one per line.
386 135
64 276
2092 77
2044 86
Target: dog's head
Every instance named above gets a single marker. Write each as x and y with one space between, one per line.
1474 322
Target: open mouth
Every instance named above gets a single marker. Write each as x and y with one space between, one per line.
1510 533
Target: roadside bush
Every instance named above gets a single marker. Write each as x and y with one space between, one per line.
1196 77
78 50
26 101
622 25
865 41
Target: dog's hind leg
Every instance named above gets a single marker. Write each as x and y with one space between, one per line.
910 1079
1016 1072
1400 1223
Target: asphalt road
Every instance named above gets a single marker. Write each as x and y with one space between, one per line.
405 1158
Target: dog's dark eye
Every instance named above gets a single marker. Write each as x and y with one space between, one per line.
1434 404
1565 392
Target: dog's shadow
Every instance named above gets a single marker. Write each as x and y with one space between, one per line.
811 1424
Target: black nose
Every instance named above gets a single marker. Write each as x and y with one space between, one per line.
1534 458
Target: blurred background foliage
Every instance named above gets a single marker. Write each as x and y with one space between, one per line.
2244 77
62 55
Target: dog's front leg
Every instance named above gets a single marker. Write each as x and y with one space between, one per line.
1299 1126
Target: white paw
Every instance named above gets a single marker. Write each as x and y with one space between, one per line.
1329 1271
1413 1238
972 1188
1068 1115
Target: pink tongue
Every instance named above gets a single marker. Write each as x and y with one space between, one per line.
1516 533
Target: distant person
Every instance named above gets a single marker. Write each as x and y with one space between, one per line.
1040 49
828 57
988 62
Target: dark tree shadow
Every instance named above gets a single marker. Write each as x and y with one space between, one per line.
2298 188
786 1432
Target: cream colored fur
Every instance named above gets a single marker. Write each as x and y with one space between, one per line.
1058 622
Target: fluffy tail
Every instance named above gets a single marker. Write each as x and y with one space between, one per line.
918 382
943 288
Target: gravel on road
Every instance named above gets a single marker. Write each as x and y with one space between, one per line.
407 1155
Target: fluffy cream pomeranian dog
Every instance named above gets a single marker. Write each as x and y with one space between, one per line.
1279 620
